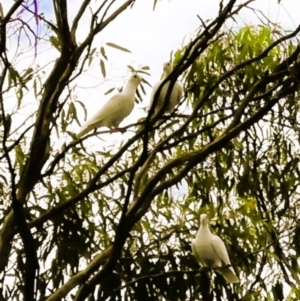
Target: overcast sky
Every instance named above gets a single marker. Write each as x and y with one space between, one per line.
151 36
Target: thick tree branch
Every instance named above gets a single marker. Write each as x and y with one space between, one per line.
63 31
126 224
53 87
77 18
150 277
11 11
191 53
31 264
138 198
142 204
126 229
80 277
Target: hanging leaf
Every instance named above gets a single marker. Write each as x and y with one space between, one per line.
55 42
102 66
102 50
130 68
109 91
91 56
35 88
143 89
118 47
13 76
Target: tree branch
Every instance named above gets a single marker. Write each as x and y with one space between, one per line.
31 265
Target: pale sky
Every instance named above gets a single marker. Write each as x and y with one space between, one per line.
151 36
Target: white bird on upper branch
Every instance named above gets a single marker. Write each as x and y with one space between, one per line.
210 251
115 110
175 95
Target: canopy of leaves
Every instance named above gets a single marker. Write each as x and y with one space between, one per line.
95 221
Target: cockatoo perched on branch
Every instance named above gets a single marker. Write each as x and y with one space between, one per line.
175 95
210 251
115 110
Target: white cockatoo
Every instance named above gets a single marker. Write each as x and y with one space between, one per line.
115 110
175 95
210 251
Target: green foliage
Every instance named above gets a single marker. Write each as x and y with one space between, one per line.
113 45
144 192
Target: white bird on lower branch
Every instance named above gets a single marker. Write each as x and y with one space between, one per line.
115 110
210 251
175 95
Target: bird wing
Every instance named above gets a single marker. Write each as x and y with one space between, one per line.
179 91
154 89
175 97
112 107
112 111
194 250
220 249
